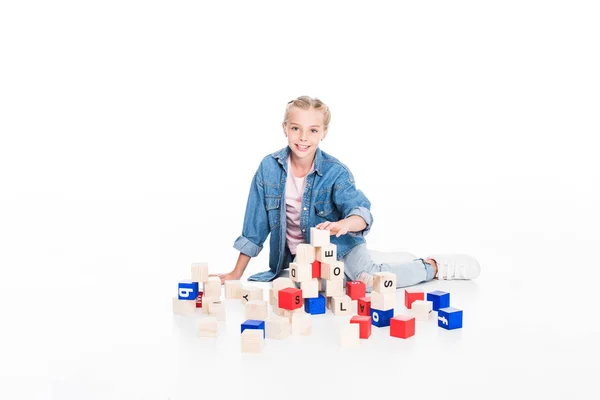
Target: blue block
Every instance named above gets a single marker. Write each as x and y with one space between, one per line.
254 324
450 318
187 290
315 305
439 299
381 318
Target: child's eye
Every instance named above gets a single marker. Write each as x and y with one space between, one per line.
315 131
294 128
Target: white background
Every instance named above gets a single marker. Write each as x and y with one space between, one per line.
130 132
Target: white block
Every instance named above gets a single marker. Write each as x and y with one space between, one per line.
278 328
252 340
422 310
251 293
319 237
208 327
383 301
332 270
257 309
305 254
233 289
301 324
282 283
334 287
341 305
200 272
384 282
350 335
300 272
310 289
327 253
184 307
207 302
212 287
217 309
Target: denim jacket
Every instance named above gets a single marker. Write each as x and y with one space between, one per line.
330 195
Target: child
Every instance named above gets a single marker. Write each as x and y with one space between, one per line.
301 186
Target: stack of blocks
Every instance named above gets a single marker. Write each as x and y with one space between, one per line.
383 298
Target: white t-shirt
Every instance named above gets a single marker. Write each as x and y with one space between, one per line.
294 190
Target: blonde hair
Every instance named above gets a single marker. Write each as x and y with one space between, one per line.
306 103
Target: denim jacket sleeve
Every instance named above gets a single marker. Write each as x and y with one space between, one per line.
351 201
256 224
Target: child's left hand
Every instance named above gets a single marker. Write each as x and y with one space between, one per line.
338 228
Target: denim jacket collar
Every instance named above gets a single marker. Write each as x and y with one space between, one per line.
283 154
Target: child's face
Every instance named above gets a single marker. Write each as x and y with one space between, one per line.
304 131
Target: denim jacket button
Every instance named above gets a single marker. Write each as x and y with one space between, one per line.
304 208
321 212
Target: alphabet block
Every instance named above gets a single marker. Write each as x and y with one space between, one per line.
402 326
278 311
208 327
364 306
364 323
310 289
199 299
384 282
251 293
305 253
187 290
332 270
450 318
327 253
319 237
410 295
212 287
334 288
290 298
356 289
184 307
282 283
439 299
254 324
383 301
257 309
300 272
233 289
421 310
207 302
278 328
381 318
350 335
301 323
252 341
341 305
315 305
290 313
217 309
316 269
200 272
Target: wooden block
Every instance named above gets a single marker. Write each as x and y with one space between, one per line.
208 327
316 269
321 285
334 288
356 289
252 341
350 335
365 325
278 328
251 293
440 299
300 272
341 305
315 305
282 283
383 301
253 324
233 289
257 309
328 302
187 290
319 237
200 272
217 309
305 254
402 326
422 310
450 318
364 306
271 297
278 311
327 253
301 323
381 318
310 289
410 295
184 307
384 282
290 298
289 314
332 270
207 302
212 287
199 299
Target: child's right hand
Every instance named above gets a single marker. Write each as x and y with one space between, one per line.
230 276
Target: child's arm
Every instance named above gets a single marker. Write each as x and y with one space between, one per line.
239 269
354 223
354 206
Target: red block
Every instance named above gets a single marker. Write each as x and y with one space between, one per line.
356 289
364 306
199 300
410 297
364 324
316 269
290 298
402 326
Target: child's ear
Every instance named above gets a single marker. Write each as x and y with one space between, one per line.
324 133
283 127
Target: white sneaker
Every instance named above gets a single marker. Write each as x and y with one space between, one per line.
456 266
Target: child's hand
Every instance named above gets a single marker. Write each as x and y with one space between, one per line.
338 228
230 276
